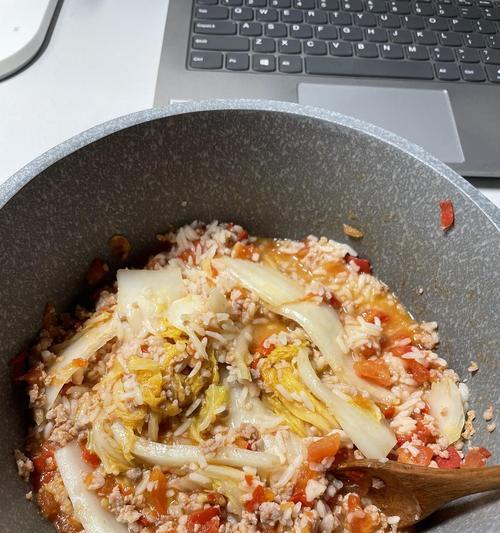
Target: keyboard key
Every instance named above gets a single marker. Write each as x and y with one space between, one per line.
242 13
251 29
376 6
340 19
447 71
289 46
376 35
442 54
450 38
222 27
263 63
219 43
266 15
366 50
461 25
316 48
472 13
484 3
417 52
263 45
437 24
401 8
368 67
446 10
365 20
280 3
301 31
493 73
401 36
351 33
205 60
468 55
391 51
304 4
212 12
231 3
328 5
237 61
352 5
491 57
291 16
427 38
486 26
412 22
492 13
423 9
475 40
472 72
316 17
207 2
290 65
389 21
256 3
326 32
494 41
276 30
340 49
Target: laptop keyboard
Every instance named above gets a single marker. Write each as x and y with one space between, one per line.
448 40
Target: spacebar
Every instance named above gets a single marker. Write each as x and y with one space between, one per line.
381 68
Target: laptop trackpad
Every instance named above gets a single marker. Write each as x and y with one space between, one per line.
423 116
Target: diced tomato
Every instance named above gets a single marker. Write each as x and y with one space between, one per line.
243 235
353 502
371 314
40 459
361 522
336 304
90 458
402 439
390 411
145 522
447 214
424 433
208 520
453 460
240 442
476 458
418 371
260 495
423 458
326 447
213 271
261 351
376 371
363 264
367 351
186 254
248 479
157 498
107 488
243 251
398 351
299 491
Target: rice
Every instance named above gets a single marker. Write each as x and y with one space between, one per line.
171 412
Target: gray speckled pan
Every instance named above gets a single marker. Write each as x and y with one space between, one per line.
278 169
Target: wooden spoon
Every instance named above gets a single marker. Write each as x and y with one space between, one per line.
414 492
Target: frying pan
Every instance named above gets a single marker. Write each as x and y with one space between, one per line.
280 170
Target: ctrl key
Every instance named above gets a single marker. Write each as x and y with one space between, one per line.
206 60
493 72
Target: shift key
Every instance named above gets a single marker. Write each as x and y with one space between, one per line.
214 42
217 27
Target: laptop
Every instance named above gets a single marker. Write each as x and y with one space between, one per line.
428 70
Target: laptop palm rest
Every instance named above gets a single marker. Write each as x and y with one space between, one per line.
423 116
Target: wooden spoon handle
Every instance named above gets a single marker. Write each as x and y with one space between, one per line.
469 481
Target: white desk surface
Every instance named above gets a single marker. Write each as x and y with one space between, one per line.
101 62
